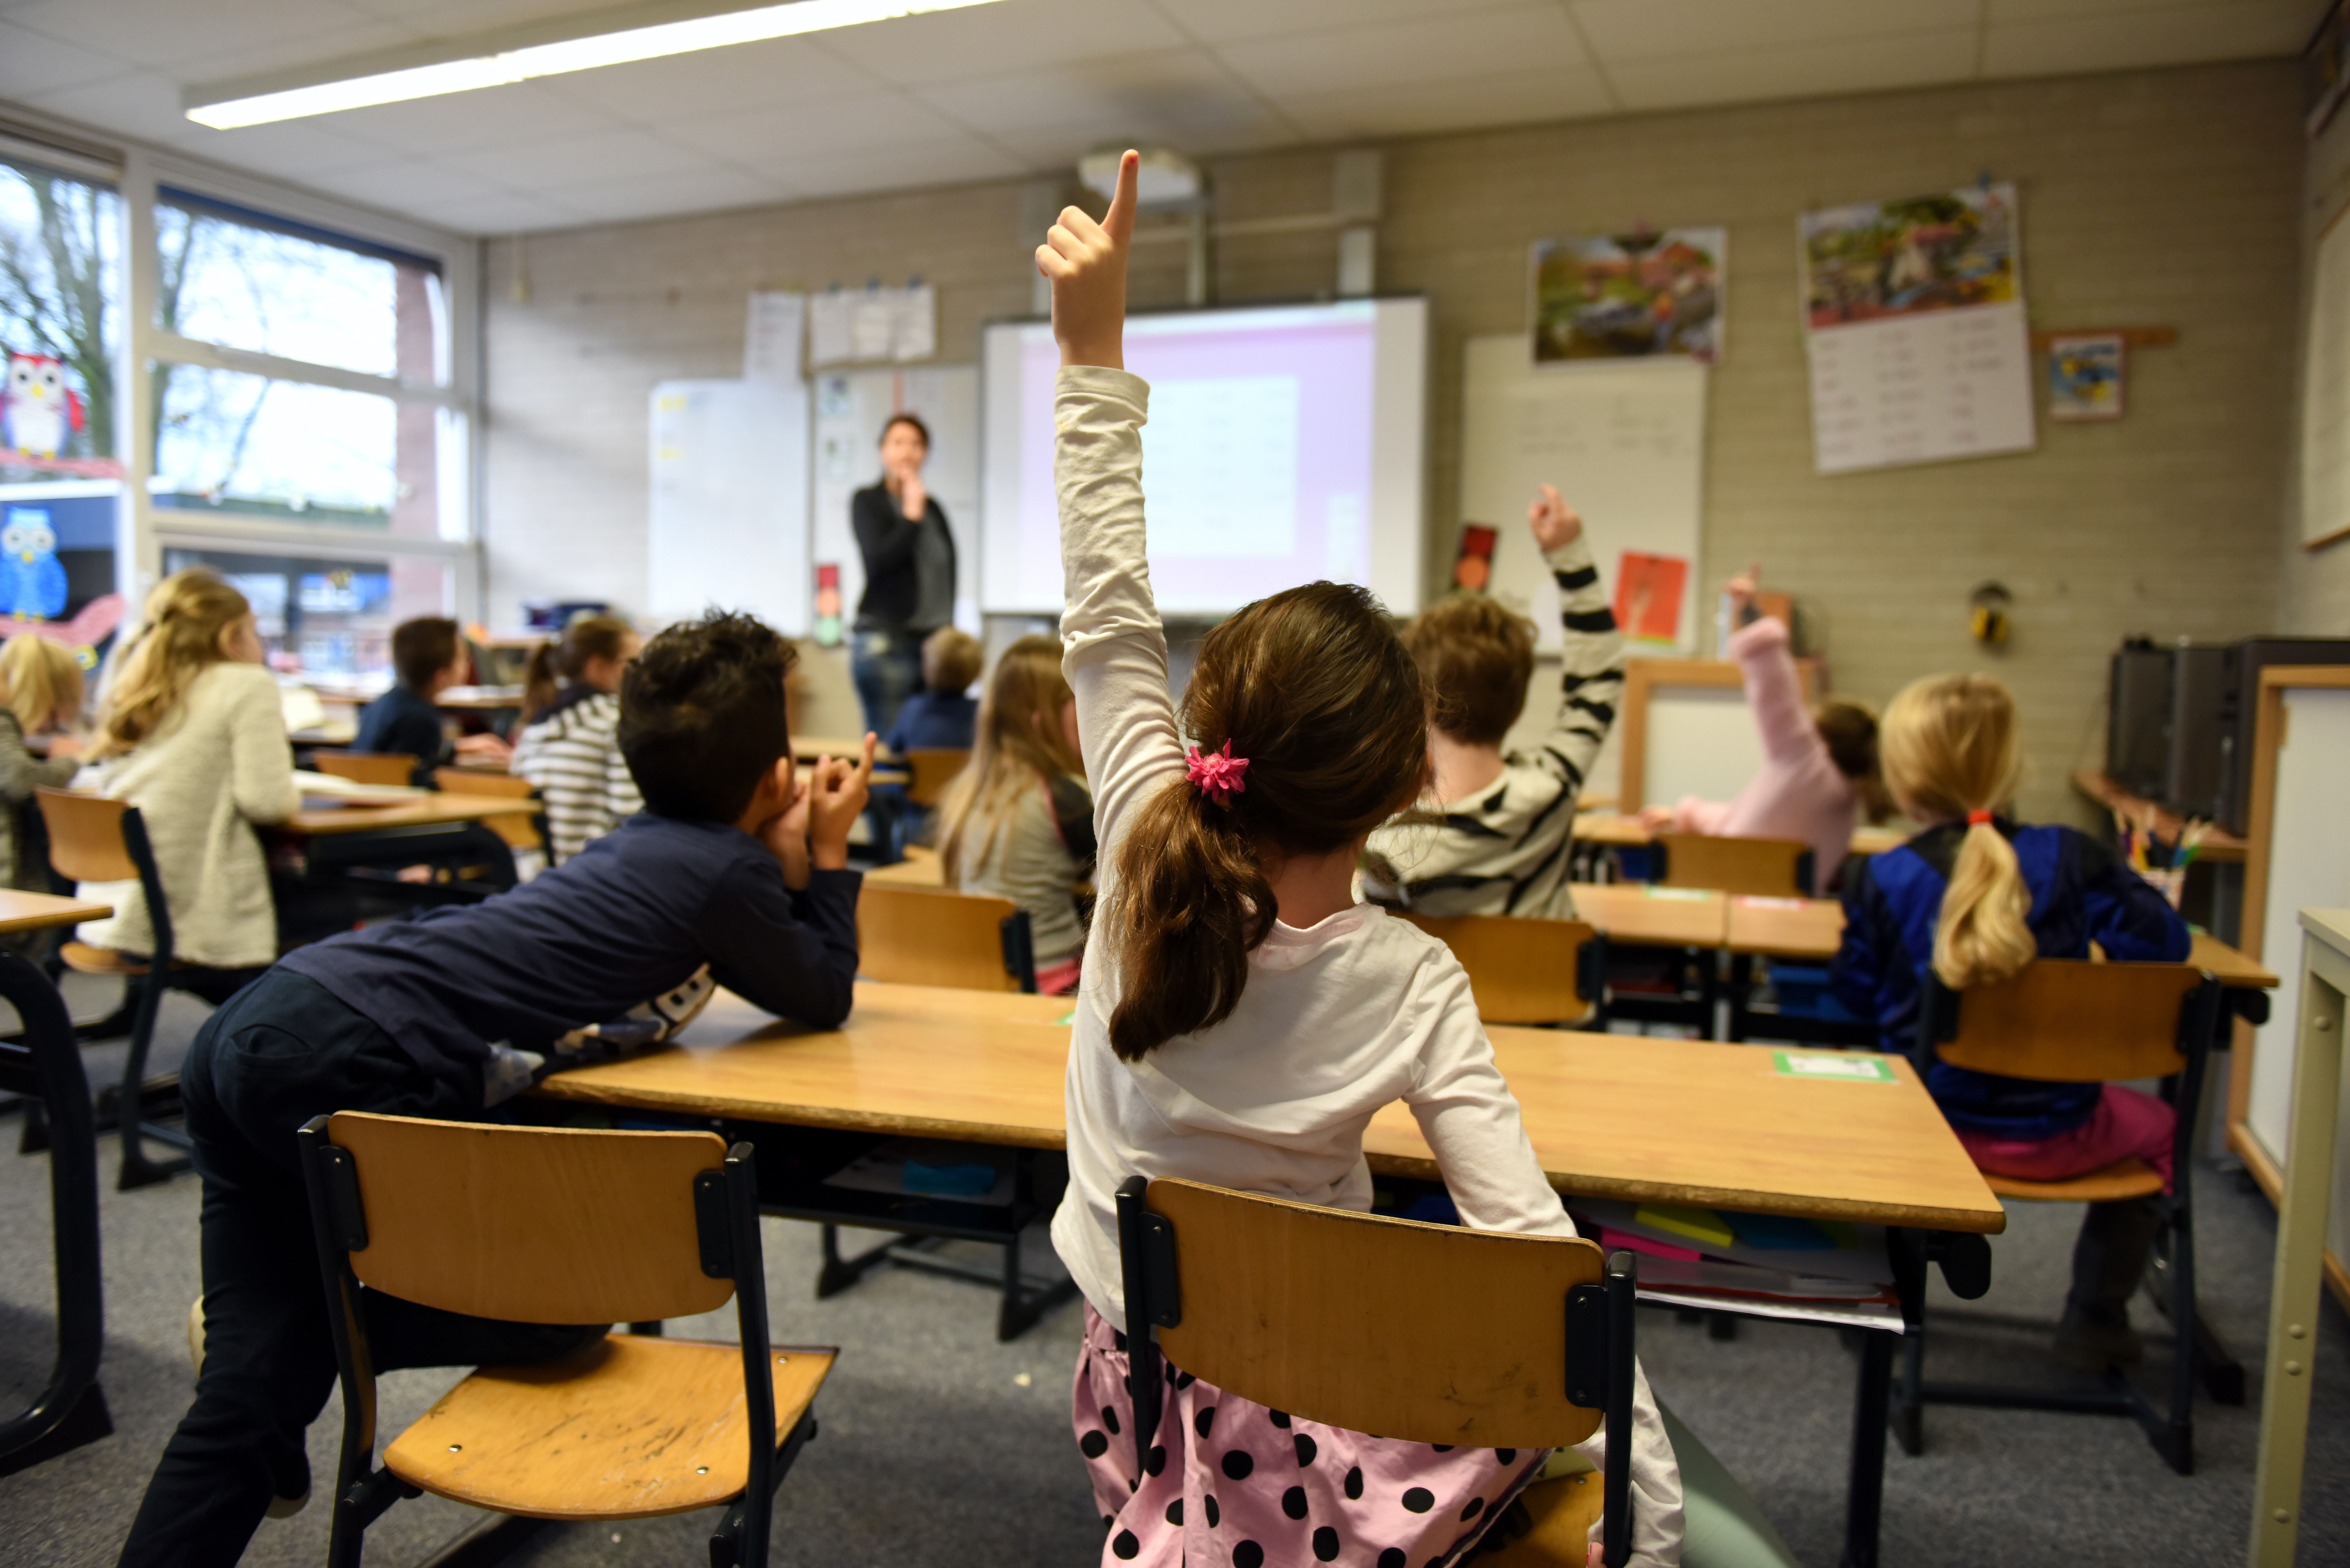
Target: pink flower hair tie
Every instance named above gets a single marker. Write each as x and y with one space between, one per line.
1218 774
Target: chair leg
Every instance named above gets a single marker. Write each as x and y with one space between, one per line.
2176 1444
2215 1364
838 1273
1721 1325
1908 1399
138 1170
35 1139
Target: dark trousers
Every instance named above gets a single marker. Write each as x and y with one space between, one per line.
282 1051
887 667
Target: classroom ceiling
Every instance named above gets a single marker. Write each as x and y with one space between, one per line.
1025 86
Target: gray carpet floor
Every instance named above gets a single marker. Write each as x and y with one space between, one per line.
942 1448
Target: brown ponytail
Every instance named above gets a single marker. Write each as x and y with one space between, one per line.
1848 729
539 682
1315 689
1950 751
553 663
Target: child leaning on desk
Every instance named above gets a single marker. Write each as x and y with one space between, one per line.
1976 896
1243 1018
735 874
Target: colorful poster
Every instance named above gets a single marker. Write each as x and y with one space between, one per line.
1629 297
2085 376
1648 597
1877 260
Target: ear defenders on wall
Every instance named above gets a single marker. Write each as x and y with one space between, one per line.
1987 616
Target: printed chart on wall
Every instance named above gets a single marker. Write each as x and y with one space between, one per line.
1625 443
1914 318
2325 392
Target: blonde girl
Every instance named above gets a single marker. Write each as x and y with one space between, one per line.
40 693
570 749
193 734
1976 896
1242 1017
1018 822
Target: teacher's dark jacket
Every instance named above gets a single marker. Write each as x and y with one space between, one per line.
886 539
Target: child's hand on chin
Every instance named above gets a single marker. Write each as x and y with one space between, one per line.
1085 263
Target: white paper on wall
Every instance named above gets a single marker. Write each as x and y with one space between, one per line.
829 339
771 338
918 322
1921 388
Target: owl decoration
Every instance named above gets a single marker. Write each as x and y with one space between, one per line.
32 578
40 412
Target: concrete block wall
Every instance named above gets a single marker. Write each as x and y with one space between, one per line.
2170 198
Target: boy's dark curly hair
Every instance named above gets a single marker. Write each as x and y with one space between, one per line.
702 715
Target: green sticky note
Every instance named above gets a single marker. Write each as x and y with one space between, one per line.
1702 1226
1066 1018
1833 1065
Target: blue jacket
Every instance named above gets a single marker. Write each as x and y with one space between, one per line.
2080 894
935 720
402 719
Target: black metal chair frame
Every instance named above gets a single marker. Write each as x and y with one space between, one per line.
144 996
1596 1320
2170 1430
726 1221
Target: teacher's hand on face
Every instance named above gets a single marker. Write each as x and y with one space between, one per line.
913 499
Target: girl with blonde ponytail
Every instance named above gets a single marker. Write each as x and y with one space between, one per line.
1972 899
1242 1016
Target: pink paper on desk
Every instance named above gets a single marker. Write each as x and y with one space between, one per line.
1613 1238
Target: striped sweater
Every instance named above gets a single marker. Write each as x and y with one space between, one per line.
1503 850
571 754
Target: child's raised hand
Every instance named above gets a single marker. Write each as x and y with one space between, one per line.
1555 523
1741 589
836 791
1085 263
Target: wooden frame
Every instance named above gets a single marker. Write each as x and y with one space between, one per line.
2267 737
1644 677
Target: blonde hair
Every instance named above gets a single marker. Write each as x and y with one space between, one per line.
37 677
952 660
187 615
1018 737
1949 748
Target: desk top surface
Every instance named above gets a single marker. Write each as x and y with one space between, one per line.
1814 928
2218 843
1594 826
22 912
1635 912
423 810
808 748
1619 1116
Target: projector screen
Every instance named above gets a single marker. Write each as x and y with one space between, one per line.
1283 446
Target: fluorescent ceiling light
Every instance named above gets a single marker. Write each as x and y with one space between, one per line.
552 59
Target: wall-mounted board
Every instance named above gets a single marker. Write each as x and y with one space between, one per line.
1687 731
729 521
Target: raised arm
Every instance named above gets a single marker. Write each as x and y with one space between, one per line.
1591 651
1774 691
1116 657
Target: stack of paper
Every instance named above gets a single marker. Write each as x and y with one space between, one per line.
1772 1265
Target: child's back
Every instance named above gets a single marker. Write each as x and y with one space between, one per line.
40 687
571 749
941 717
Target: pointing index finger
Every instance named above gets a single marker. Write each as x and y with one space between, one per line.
1119 223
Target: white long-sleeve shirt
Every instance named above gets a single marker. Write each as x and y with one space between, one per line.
1336 1020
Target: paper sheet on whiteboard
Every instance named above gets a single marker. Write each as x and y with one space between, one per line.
1624 442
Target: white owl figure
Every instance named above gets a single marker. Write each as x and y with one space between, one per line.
41 411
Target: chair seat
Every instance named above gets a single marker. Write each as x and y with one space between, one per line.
1562 1513
630 1428
2123 1178
84 958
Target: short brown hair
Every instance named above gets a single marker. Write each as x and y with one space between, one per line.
703 715
1476 657
423 649
951 660
1849 730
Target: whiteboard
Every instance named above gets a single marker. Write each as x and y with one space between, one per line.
2326 390
1700 741
2309 867
851 406
729 515
1624 445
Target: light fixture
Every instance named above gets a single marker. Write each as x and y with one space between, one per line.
516 65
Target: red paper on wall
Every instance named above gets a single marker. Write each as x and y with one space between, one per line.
1648 597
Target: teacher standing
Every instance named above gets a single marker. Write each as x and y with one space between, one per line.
910 574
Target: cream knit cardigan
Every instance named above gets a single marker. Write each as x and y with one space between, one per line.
218 764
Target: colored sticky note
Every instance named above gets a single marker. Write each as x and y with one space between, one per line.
1852 1067
1686 894
1066 1018
1702 1226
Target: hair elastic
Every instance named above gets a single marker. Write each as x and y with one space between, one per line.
1218 775
1976 818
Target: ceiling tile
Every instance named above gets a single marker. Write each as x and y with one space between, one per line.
408 185
1854 65
1509 98
706 189
33 62
716 81
1015 35
465 122
893 169
162 34
798 132
1477 44
1229 21
573 161
464 18
2172 35
292 149
500 214
1625 30
1168 88
2307 13
142 104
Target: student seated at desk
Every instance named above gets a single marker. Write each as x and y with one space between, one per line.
1819 766
1497 843
571 749
1243 1018
735 873
428 657
194 734
40 694
1977 897
942 716
1018 822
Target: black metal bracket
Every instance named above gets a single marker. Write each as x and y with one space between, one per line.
344 1206
1020 950
713 1225
1591 969
1586 1347
1965 1259
1806 867
1164 1304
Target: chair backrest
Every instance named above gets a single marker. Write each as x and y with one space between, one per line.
1756 867
368 767
86 840
2069 1020
520 831
924 936
930 772
531 1224
1525 971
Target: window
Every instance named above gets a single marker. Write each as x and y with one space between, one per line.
60 320
328 618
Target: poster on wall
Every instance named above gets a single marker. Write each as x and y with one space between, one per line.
1629 297
2085 376
1913 312
873 325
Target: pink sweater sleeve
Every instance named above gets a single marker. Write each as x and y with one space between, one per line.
1774 691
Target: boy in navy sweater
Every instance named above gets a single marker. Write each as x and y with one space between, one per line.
734 866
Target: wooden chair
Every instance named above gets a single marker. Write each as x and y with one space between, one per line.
921 936
930 772
520 831
1525 971
548 1225
368 767
1433 1333
1756 867
94 839
2069 1022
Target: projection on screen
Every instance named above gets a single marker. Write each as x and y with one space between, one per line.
1283 447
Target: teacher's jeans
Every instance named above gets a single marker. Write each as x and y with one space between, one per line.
886 666
282 1051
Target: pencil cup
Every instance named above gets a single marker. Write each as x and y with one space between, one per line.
2169 884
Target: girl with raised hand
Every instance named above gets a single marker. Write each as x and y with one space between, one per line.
1241 1017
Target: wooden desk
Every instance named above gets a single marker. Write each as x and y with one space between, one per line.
921 869
808 748
2218 844
1666 916
1623 832
424 811
479 699
40 912
333 733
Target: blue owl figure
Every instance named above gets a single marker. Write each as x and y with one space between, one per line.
32 578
